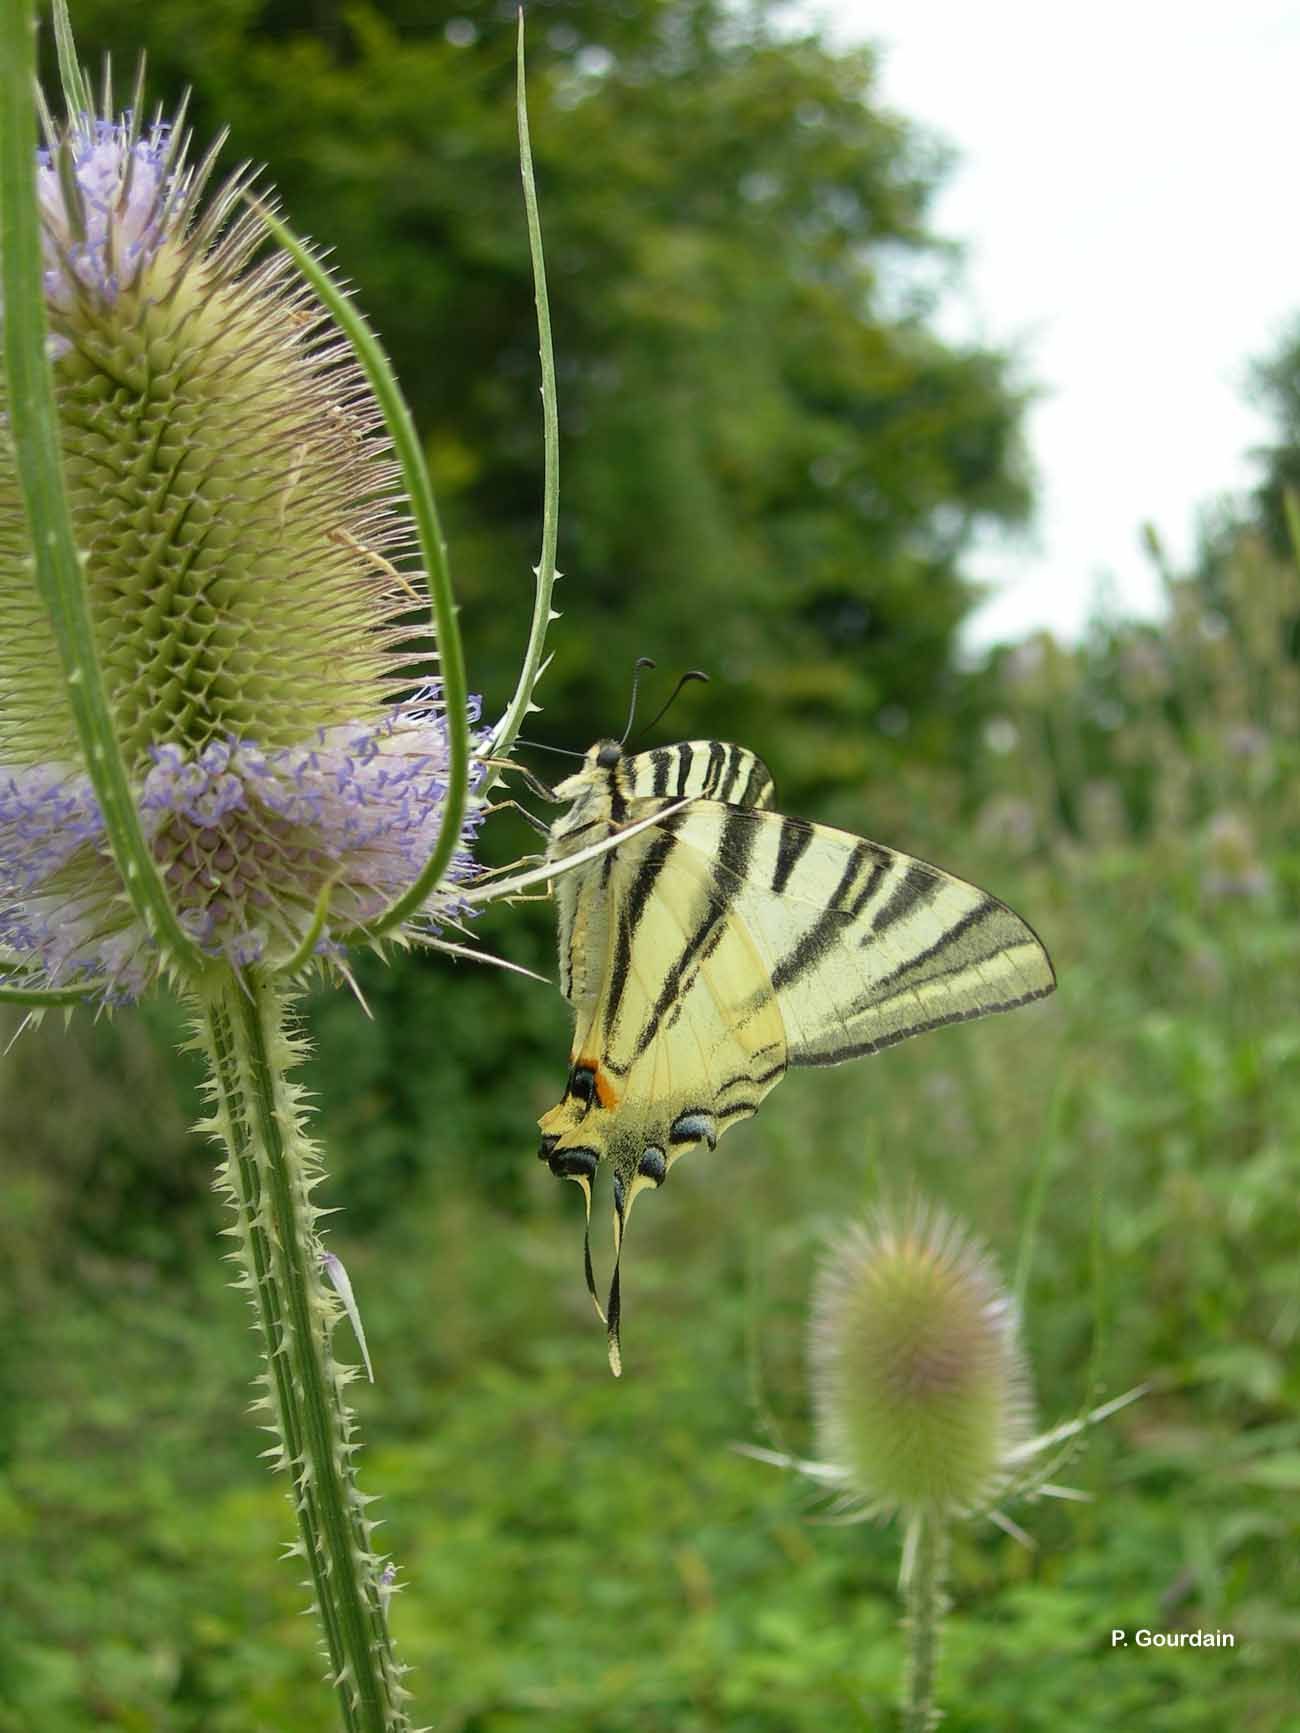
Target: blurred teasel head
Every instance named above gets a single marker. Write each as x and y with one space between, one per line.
1232 868
239 524
920 1387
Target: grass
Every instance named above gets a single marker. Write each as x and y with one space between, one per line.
593 1557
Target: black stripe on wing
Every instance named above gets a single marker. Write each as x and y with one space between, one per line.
699 769
632 911
735 846
856 1049
864 860
661 761
736 757
758 786
973 918
796 834
918 886
717 766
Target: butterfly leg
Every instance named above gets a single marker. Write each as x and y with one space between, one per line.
534 784
539 825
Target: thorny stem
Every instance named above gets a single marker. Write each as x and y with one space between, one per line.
269 1173
12 992
924 1605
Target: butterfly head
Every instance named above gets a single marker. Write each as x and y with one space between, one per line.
602 768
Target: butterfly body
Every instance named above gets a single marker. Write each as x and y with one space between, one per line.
710 951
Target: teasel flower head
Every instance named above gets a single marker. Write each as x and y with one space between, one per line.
240 526
920 1387
1233 869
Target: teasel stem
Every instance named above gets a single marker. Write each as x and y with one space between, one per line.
270 1170
34 429
925 1558
12 992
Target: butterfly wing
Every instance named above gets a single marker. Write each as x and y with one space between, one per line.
862 946
670 1050
602 904
670 1046
710 951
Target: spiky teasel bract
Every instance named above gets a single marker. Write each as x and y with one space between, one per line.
922 1402
920 1385
919 1382
234 501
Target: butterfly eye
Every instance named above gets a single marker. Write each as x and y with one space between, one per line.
609 755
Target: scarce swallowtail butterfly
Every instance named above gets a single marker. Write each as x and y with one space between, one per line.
713 949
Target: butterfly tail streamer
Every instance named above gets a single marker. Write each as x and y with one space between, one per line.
588 1271
613 1313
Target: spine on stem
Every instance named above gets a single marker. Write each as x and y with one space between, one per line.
269 1172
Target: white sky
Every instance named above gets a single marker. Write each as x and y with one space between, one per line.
1129 192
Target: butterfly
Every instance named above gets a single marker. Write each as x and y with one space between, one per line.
721 943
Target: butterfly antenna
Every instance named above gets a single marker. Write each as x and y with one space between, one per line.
691 674
640 663
541 746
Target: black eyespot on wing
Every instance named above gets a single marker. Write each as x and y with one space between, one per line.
582 1083
574 1163
653 1165
547 1145
694 1127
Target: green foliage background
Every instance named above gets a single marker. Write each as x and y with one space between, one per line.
773 467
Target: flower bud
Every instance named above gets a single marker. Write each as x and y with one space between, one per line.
233 499
919 1384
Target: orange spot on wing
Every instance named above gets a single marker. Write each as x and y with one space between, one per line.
605 1093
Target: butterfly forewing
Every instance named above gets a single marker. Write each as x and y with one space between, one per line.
863 946
706 769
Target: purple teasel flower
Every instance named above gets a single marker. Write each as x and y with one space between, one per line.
104 222
248 839
236 503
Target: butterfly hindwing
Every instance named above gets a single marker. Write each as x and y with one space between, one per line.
706 953
670 1047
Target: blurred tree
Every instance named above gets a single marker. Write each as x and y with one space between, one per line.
1241 534
1275 388
771 464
